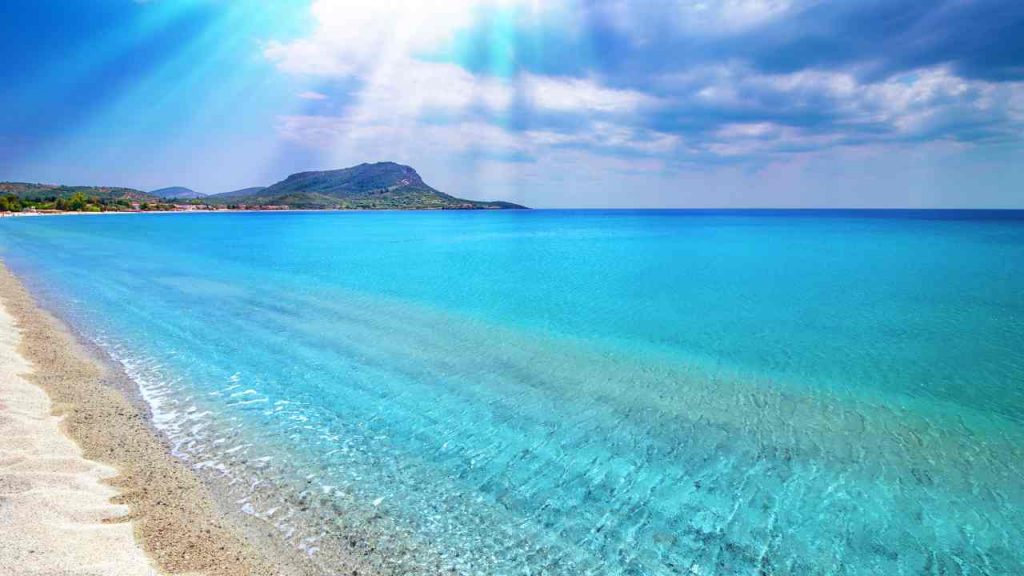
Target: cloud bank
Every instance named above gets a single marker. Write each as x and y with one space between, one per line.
682 81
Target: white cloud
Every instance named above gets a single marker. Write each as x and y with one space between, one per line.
403 101
378 41
745 139
441 106
926 104
346 133
582 94
712 17
609 136
312 95
340 132
354 36
740 14
404 94
746 130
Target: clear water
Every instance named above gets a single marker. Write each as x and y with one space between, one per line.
557 392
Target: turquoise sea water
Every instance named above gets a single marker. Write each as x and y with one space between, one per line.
558 392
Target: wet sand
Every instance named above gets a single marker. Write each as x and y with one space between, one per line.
86 487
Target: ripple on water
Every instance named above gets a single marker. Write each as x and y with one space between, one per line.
554 464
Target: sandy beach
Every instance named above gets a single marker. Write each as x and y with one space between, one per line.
57 515
85 486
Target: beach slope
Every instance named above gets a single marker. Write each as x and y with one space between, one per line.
56 514
86 487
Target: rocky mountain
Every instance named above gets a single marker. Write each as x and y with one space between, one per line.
382 185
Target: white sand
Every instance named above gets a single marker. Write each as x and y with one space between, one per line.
56 517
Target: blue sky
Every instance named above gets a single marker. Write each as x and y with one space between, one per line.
556 103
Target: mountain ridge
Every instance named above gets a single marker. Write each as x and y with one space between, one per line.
380 185
237 193
176 192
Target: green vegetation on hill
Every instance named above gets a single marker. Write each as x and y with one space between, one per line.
27 191
20 196
379 186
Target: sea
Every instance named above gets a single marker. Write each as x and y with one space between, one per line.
558 392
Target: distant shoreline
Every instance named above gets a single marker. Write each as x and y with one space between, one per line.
703 211
231 211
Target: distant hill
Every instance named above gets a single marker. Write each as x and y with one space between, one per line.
383 185
236 193
177 192
30 191
378 186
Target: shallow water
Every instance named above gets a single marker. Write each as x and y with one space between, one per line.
557 392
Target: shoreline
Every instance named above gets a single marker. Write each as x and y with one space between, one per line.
57 516
174 517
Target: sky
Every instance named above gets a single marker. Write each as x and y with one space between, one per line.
548 103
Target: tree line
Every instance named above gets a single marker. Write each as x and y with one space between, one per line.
77 202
